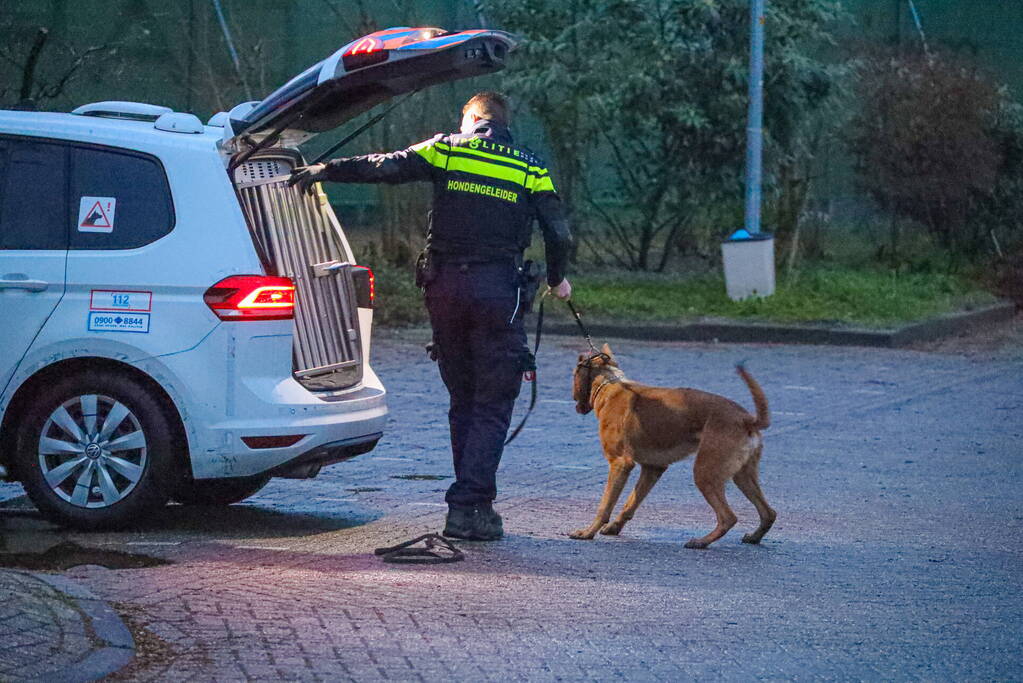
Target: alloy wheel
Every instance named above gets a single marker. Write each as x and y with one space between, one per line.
92 451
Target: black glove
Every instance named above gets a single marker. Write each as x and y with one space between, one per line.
306 176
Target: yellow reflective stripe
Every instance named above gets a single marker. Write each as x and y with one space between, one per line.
533 178
534 170
543 184
539 182
486 169
433 156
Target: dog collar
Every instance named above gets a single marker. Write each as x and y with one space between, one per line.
600 387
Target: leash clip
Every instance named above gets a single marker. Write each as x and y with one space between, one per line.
582 328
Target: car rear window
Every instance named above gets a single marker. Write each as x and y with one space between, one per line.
119 199
33 195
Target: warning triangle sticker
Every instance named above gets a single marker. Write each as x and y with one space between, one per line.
96 214
97 218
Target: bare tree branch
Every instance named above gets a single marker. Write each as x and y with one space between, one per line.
28 71
617 232
56 89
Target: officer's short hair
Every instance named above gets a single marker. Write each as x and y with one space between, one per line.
489 105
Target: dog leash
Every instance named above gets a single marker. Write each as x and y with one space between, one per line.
579 322
536 349
533 381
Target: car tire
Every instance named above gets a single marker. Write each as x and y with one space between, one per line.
97 450
219 491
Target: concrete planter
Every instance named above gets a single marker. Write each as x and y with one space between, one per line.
749 265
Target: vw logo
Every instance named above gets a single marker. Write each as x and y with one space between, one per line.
93 451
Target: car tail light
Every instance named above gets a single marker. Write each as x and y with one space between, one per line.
365 286
252 297
364 52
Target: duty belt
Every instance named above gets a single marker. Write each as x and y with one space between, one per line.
449 259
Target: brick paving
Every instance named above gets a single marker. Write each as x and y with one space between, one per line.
42 633
896 555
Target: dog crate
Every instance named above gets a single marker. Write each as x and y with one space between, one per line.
297 239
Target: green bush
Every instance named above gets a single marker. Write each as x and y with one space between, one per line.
938 142
644 106
999 214
399 302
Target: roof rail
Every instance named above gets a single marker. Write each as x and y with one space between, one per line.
179 122
135 111
219 119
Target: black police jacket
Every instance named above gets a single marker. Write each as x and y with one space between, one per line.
486 194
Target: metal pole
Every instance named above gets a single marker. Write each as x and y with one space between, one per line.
919 26
755 123
230 47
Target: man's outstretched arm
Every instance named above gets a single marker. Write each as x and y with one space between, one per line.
403 166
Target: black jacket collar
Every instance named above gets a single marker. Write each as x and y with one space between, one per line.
492 130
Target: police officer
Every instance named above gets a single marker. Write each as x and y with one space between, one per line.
486 193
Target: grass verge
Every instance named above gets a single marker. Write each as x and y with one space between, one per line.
859 297
830 295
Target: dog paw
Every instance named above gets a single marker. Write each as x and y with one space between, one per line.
752 539
582 535
696 544
612 529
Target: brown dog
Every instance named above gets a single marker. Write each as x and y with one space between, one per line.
655 427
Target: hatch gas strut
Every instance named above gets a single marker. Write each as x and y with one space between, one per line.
262 144
281 127
361 129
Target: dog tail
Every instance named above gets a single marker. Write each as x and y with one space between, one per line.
763 418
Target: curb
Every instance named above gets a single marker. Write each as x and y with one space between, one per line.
118 647
762 333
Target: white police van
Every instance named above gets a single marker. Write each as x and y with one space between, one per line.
177 321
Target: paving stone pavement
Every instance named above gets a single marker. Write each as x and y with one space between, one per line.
42 632
896 555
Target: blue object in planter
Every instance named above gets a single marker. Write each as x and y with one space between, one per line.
743 235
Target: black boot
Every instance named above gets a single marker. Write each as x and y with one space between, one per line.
480 523
488 524
460 523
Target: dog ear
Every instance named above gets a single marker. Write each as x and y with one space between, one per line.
610 356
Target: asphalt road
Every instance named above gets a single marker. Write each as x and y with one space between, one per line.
897 554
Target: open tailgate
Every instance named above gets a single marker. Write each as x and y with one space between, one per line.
366 72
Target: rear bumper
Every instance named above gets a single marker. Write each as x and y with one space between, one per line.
309 463
238 384
325 432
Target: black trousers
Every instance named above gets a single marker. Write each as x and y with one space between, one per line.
476 314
